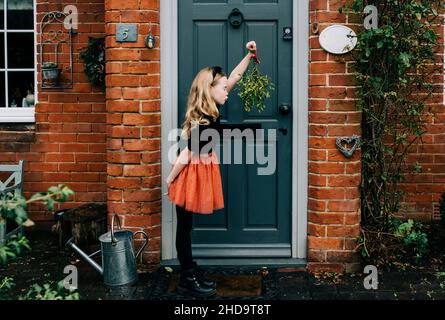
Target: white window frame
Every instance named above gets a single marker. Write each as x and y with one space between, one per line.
19 115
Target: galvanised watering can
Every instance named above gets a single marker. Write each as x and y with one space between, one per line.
118 258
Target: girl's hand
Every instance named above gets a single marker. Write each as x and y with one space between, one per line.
168 182
251 46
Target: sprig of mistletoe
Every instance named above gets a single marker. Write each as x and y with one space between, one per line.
254 88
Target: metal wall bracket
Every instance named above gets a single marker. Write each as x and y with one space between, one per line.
56 51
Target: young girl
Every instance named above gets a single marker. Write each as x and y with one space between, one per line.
194 184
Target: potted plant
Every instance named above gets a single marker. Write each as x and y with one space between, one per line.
50 72
93 57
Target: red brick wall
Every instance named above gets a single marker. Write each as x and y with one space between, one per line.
133 121
425 189
68 142
334 198
107 148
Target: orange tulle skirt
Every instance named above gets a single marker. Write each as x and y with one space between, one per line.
198 187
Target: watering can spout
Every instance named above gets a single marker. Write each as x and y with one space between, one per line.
87 258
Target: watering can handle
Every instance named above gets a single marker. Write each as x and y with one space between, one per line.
145 244
113 240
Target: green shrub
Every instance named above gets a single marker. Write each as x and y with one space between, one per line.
392 64
5 285
47 292
37 292
414 239
404 242
13 207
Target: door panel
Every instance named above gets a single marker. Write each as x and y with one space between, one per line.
256 220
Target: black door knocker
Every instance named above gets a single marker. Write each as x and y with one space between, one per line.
236 18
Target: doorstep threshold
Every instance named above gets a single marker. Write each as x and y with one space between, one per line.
245 262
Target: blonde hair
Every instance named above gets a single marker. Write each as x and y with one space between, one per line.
200 102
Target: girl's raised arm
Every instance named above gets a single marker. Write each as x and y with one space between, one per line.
238 72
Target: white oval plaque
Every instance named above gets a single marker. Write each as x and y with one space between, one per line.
338 39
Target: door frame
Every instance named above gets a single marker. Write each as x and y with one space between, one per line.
300 92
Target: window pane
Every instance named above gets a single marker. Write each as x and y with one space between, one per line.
2 50
20 50
2 90
2 14
20 85
20 14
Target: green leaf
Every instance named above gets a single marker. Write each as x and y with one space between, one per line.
50 204
21 215
53 189
405 58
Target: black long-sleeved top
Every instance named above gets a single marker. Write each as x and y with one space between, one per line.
214 124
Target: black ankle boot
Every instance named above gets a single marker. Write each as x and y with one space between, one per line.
189 285
201 277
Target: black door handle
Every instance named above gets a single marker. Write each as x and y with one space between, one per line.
283 131
284 109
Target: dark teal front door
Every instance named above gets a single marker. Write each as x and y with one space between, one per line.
257 219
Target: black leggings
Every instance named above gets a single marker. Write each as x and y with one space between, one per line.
184 237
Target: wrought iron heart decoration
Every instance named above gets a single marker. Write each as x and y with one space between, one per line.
347 145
